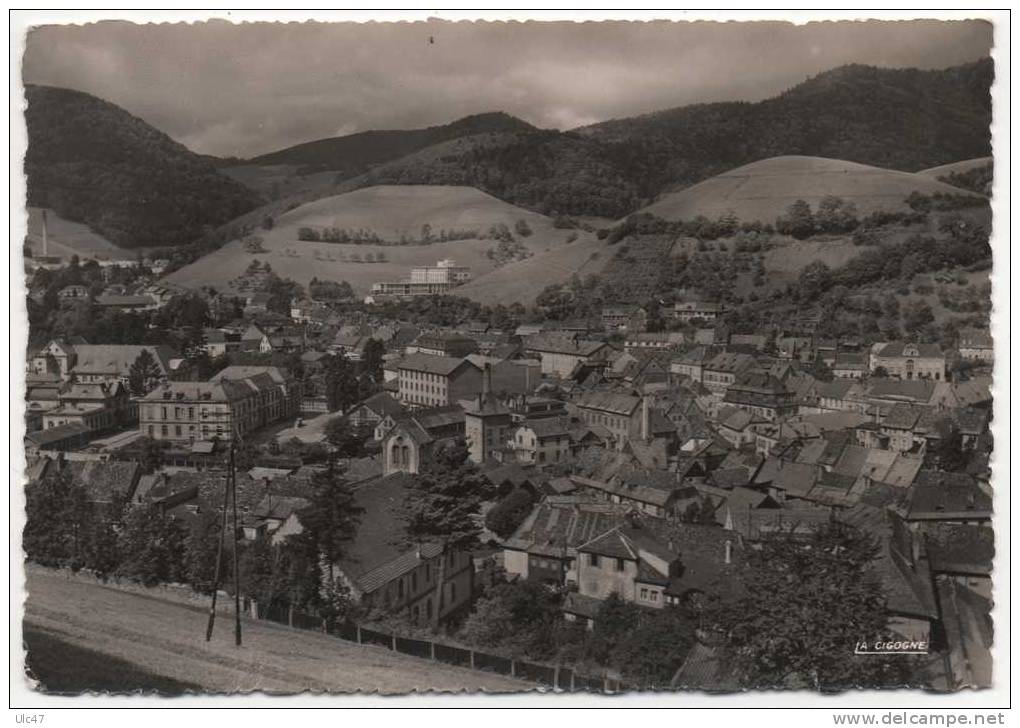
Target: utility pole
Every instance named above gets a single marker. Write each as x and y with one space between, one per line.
219 560
237 572
229 495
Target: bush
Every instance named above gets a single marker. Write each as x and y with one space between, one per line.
514 617
509 513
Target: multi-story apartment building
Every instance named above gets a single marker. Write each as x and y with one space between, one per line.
762 395
722 370
233 403
976 345
95 406
906 360
436 381
560 353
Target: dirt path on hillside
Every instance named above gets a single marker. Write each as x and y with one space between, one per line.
168 640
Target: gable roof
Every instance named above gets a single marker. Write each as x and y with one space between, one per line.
559 343
559 523
907 349
116 359
382 404
441 365
373 558
104 480
614 402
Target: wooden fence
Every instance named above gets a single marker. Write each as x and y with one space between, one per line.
556 677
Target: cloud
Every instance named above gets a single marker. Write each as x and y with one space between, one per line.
246 89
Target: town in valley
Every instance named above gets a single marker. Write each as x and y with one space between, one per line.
691 400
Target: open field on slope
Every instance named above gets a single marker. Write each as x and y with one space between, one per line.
763 190
523 280
946 169
391 211
66 238
153 643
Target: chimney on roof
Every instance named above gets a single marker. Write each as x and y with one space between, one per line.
728 552
487 379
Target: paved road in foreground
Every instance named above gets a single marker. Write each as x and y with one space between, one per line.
168 639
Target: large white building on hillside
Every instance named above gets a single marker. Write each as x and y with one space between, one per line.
427 280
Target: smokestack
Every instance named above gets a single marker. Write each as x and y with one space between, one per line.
45 236
729 552
487 380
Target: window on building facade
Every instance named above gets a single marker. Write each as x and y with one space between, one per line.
593 559
620 565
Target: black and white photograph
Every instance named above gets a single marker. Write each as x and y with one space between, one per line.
489 358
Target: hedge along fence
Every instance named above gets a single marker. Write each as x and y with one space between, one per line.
556 677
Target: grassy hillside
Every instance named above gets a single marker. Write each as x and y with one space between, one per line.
96 164
521 282
975 175
66 238
391 212
763 190
959 167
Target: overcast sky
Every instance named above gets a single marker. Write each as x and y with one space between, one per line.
244 90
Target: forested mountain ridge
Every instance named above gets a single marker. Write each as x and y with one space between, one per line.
94 163
904 119
355 153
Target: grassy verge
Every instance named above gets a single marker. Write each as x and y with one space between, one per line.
64 668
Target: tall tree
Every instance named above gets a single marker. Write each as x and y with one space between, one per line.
807 605
341 383
144 374
152 545
798 220
347 440
372 359
103 555
442 508
331 520
202 547
58 517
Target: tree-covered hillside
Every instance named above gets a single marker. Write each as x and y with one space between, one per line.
355 153
94 163
902 119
